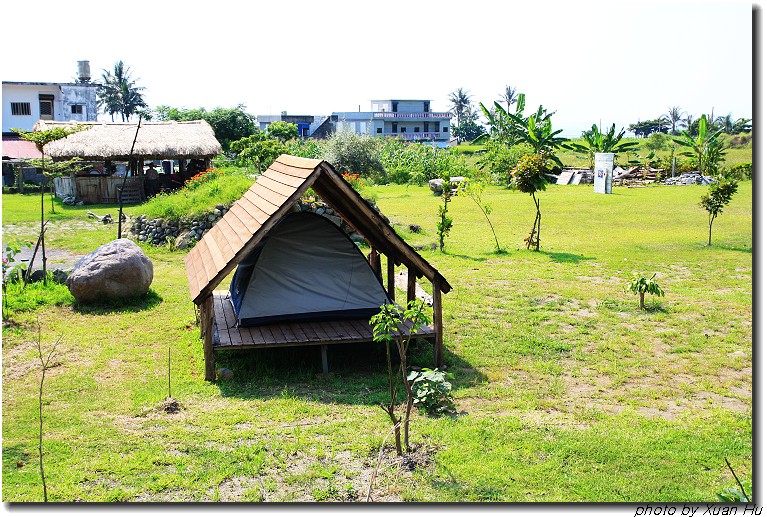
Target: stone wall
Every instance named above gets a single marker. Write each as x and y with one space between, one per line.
185 233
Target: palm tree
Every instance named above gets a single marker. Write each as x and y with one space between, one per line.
461 101
118 92
674 117
509 96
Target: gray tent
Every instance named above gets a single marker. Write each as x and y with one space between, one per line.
306 268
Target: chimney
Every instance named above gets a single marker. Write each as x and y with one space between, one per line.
84 71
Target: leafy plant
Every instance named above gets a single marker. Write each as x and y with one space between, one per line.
641 286
705 146
742 494
432 391
529 176
444 221
598 142
718 196
473 190
393 324
11 273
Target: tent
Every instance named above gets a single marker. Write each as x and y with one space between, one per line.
306 269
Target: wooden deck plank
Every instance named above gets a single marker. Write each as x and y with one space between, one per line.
295 330
291 333
231 322
223 332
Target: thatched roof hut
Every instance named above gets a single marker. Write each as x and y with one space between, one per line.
155 141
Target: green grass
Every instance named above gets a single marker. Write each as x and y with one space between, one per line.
566 391
197 199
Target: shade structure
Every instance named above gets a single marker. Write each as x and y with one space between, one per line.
306 269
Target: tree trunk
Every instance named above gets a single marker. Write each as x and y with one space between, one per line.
710 229
538 213
42 229
641 300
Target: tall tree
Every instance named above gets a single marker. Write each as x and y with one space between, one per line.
460 100
41 139
674 116
509 97
118 92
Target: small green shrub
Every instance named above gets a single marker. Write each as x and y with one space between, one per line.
432 391
740 171
641 286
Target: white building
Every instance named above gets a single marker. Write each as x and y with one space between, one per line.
411 120
24 103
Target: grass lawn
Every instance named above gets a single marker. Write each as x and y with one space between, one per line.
565 390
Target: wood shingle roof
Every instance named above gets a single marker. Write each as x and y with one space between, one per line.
273 196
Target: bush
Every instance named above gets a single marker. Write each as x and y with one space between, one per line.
500 160
431 391
740 171
355 154
657 142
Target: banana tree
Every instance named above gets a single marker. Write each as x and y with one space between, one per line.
598 142
706 146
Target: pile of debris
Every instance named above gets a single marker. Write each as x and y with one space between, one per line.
575 177
690 178
637 177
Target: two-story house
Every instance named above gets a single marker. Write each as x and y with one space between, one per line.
411 120
24 103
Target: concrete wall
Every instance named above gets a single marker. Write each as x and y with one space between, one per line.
64 96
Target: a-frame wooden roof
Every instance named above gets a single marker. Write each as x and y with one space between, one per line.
271 197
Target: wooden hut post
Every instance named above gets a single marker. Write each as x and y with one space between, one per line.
437 306
411 274
206 326
375 261
390 277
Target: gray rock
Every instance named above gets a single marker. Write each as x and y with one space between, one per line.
224 374
60 276
118 269
436 185
185 239
336 220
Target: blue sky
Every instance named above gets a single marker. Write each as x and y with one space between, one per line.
590 61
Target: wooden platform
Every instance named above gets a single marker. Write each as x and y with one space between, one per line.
228 336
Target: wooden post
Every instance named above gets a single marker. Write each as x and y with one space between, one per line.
390 277
324 352
437 306
375 262
206 326
410 284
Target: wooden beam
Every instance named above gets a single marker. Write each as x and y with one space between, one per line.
388 239
411 276
437 306
324 353
207 316
390 277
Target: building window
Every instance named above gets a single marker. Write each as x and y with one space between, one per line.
379 130
426 106
46 107
21 108
393 127
417 129
77 109
426 127
444 129
402 129
394 105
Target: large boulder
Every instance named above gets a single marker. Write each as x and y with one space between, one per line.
118 269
